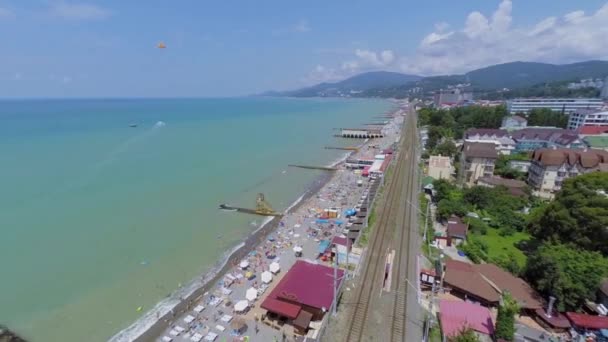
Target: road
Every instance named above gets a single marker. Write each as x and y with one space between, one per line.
379 312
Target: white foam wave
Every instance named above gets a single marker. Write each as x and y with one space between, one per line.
165 306
339 160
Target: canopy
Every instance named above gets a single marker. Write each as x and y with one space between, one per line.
322 221
251 294
275 267
241 306
266 277
297 249
244 264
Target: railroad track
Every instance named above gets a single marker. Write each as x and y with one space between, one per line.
374 270
404 233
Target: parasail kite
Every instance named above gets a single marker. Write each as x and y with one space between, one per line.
161 45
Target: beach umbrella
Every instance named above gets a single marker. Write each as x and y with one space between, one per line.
241 306
275 267
251 294
297 249
266 277
244 264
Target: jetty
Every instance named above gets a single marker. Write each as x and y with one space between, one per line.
360 133
311 167
262 208
347 148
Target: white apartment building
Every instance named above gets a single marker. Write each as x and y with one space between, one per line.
556 104
499 137
587 118
477 160
551 166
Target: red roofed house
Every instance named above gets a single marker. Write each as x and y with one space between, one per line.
587 322
305 293
455 316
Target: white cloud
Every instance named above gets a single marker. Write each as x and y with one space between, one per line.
79 11
6 13
322 74
302 26
486 40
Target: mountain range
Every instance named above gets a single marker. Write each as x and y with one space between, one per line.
515 75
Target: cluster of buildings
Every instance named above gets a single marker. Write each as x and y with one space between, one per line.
472 293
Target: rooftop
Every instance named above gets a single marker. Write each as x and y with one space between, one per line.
497 181
457 230
487 132
592 130
517 287
588 321
588 158
480 150
439 162
305 283
456 314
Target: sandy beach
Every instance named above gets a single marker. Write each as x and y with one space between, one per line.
208 313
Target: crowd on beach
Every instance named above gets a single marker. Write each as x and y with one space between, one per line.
231 310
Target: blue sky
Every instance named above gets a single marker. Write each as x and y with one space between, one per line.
223 48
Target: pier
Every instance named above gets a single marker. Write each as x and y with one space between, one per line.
347 148
311 167
361 133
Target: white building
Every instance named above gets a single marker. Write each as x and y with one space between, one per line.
440 167
557 105
499 137
551 166
587 118
477 160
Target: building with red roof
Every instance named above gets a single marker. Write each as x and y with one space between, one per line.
587 322
455 316
305 293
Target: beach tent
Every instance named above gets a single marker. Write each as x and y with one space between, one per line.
266 277
251 294
275 267
241 306
244 264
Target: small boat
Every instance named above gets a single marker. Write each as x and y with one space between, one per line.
133 125
227 207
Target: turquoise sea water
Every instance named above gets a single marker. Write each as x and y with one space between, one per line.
98 218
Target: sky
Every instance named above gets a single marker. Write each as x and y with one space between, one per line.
61 48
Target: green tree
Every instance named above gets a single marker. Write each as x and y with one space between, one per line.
505 320
448 207
570 275
508 262
446 148
443 189
578 215
465 334
547 117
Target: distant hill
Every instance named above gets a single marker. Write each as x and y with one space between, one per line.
351 86
515 75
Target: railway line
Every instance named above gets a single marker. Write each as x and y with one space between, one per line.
393 229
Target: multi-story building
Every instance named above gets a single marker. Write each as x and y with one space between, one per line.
452 96
551 166
514 122
564 105
499 137
604 94
530 139
586 117
477 160
440 167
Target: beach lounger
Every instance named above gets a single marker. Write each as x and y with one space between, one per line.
167 339
211 336
196 337
226 318
188 319
220 327
173 332
226 292
216 301
199 308
180 329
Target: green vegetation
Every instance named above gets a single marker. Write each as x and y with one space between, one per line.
502 249
466 334
505 320
364 238
554 89
571 275
502 168
547 117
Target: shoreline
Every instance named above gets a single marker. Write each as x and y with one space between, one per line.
154 322
202 284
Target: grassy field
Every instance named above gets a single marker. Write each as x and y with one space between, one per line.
498 245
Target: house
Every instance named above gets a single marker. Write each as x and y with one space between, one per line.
478 160
583 323
551 166
454 316
484 284
516 187
499 137
529 139
514 122
303 295
440 167
457 230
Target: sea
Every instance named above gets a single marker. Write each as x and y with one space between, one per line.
108 207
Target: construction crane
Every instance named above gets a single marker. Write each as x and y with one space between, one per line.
261 208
